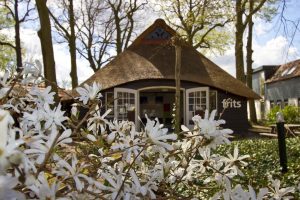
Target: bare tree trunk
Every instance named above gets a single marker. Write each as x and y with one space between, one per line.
177 79
118 37
116 8
240 28
123 20
239 56
72 45
17 38
252 110
47 47
12 9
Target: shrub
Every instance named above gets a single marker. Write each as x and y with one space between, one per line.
291 114
271 116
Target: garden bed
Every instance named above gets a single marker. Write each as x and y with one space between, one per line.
264 161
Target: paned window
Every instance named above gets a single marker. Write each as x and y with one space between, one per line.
125 104
197 102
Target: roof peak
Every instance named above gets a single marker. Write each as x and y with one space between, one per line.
160 21
158 33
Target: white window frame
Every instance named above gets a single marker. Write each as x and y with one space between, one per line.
188 91
136 102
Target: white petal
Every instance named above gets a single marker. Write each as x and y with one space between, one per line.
111 137
91 137
67 133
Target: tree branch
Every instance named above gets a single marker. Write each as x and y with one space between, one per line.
7 44
59 24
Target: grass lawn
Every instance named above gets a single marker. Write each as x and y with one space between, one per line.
264 161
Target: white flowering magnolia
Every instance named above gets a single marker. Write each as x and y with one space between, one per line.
89 92
5 82
9 152
42 97
40 159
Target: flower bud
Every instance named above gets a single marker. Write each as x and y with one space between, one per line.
16 158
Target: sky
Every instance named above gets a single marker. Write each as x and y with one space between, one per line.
271 45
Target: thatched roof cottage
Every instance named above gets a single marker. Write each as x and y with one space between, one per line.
142 78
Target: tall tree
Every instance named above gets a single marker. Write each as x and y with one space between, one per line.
66 28
177 44
46 43
94 33
241 24
13 11
200 22
123 12
249 61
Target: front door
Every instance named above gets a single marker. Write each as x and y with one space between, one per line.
197 101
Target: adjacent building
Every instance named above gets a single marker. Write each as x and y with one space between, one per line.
277 85
259 77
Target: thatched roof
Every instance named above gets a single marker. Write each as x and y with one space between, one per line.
286 71
149 58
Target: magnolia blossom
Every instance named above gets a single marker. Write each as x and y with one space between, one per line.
44 118
42 189
74 109
149 188
281 193
210 128
261 194
42 97
97 124
32 69
54 117
73 171
199 166
9 153
7 185
3 92
233 160
118 128
41 144
130 145
89 92
4 81
33 120
158 135
4 84
238 193
115 179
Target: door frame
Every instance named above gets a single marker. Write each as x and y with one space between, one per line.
196 89
183 90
